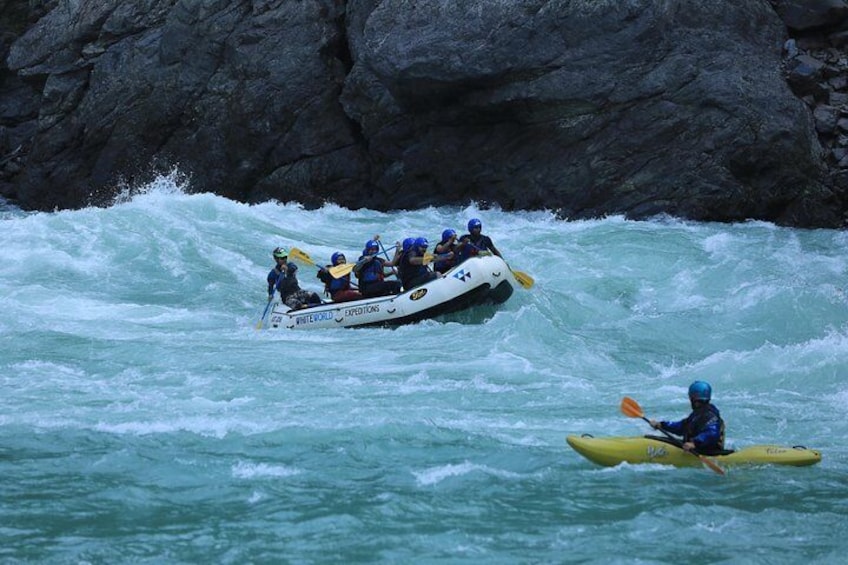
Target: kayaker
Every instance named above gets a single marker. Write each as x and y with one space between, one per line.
703 429
283 278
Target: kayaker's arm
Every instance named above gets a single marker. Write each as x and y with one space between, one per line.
674 427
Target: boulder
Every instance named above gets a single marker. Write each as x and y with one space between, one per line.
585 107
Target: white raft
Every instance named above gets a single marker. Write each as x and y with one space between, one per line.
475 282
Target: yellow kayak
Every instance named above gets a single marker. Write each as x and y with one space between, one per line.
611 451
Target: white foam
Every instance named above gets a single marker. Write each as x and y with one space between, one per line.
251 470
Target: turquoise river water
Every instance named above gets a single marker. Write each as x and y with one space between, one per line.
145 419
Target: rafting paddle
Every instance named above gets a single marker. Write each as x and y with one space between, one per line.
339 271
631 408
336 272
523 279
299 255
265 313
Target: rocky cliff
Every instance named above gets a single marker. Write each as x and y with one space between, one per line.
720 110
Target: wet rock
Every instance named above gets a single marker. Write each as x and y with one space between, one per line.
826 117
588 108
804 15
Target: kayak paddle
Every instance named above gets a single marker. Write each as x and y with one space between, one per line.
631 408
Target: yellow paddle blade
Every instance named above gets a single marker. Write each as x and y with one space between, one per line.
631 408
523 279
299 255
428 258
339 271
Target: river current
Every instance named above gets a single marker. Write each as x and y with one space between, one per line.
145 419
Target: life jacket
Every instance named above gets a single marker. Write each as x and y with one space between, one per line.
472 247
286 283
371 271
482 243
407 272
333 285
444 265
341 283
702 418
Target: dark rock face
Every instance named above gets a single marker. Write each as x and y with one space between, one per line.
703 110
816 68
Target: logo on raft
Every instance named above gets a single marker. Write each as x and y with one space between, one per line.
313 318
418 294
462 275
360 310
656 452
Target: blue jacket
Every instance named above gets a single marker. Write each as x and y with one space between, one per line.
473 247
703 427
370 268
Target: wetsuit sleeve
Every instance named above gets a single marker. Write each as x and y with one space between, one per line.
492 247
324 275
674 427
272 281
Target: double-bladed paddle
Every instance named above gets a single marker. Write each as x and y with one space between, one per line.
631 408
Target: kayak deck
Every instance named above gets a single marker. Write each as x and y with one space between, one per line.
609 451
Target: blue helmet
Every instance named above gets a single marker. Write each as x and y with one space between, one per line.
407 244
422 242
447 234
336 256
700 390
474 223
369 245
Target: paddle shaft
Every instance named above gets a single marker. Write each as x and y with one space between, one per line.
265 313
386 253
668 435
